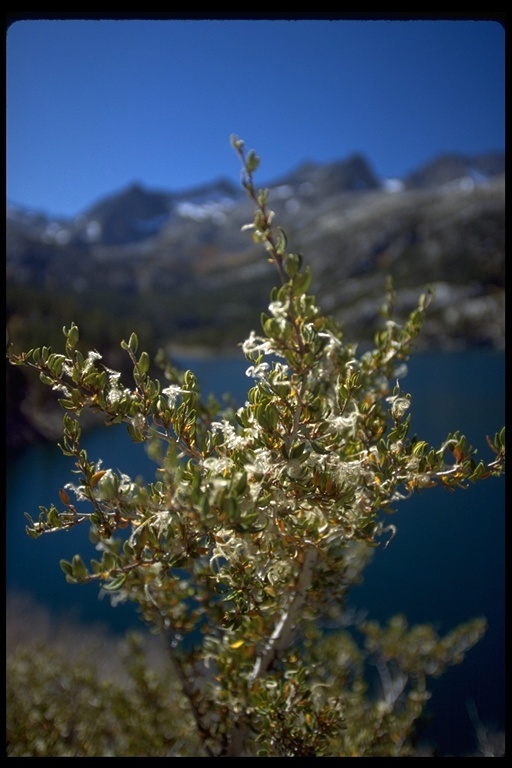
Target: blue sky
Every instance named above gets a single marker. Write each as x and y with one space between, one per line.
94 105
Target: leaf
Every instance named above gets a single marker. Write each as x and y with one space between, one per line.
117 583
72 336
46 379
96 477
143 363
79 571
281 243
302 281
133 343
66 567
252 161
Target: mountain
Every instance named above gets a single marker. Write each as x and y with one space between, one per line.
443 223
177 268
135 214
457 169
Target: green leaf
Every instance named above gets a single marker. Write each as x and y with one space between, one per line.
136 435
282 242
72 336
79 571
293 264
133 343
69 405
117 583
66 567
252 161
46 379
240 484
302 281
108 561
144 362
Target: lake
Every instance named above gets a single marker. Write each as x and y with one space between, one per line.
445 565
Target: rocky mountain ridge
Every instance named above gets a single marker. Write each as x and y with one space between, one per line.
178 269
134 213
442 225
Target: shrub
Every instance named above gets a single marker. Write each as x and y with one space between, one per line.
260 519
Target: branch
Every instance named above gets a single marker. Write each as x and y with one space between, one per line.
282 635
280 639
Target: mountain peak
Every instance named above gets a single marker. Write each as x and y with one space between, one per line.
452 167
136 213
349 175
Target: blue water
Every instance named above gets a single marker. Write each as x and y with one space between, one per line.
445 565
